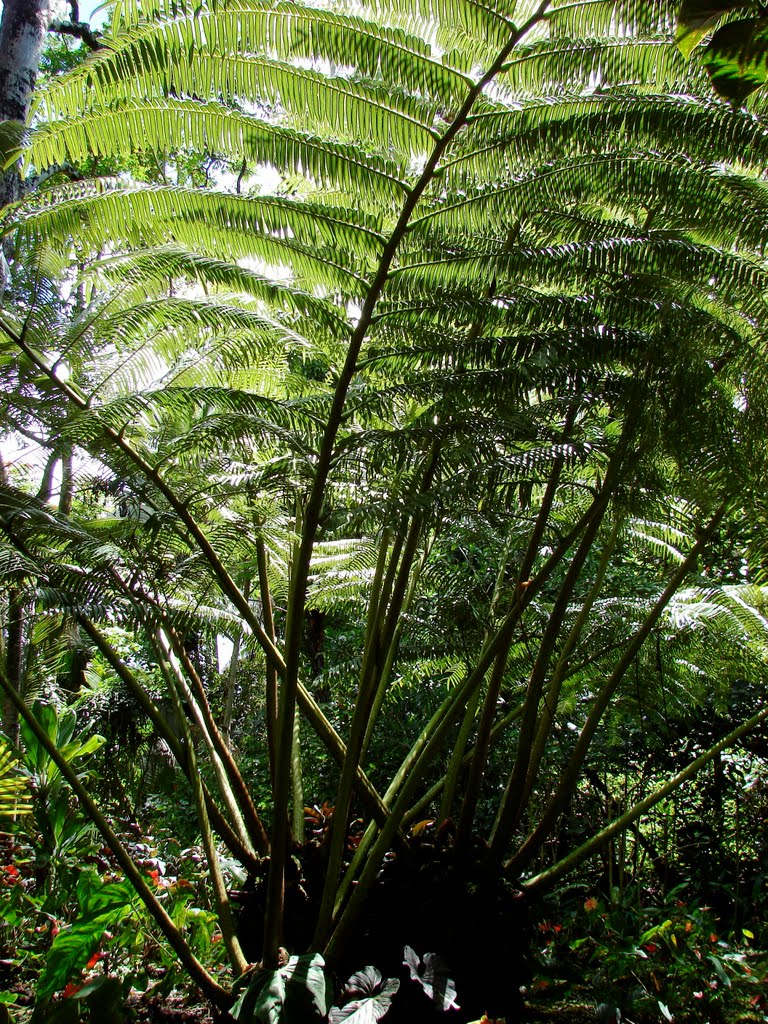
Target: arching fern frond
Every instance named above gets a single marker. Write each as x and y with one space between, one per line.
154 267
169 125
287 32
216 223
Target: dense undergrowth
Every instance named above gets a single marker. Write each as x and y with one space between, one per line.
445 938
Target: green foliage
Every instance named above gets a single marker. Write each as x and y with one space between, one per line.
60 831
60 725
102 907
735 57
654 962
697 17
436 431
14 792
295 992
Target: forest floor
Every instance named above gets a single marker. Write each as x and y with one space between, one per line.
182 1009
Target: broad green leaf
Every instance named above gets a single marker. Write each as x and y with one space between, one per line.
76 748
262 1000
719 970
293 994
105 908
736 58
697 17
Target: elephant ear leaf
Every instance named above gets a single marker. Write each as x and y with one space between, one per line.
367 998
698 17
294 993
433 975
736 57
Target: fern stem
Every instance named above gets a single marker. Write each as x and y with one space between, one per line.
456 763
506 817
234 780
571 772
479 756
383 676
256 835
232 673
297 784
434 791
552 694
265 593
391 653
356 742
177 685
482 744
231 685
220 896
546 878
429 740
233 842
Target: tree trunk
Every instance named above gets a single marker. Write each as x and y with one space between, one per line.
23 29
13 660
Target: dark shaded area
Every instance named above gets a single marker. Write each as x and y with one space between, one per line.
466 912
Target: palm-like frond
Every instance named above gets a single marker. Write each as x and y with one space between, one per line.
15 796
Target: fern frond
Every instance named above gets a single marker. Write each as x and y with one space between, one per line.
573 18
499 145
217 223
166 125
155 266
287 32
577 65
469 31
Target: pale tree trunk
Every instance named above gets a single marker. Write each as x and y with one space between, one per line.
23 29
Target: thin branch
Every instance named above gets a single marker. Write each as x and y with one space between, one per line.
78 30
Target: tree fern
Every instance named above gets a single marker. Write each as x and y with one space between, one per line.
501 324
